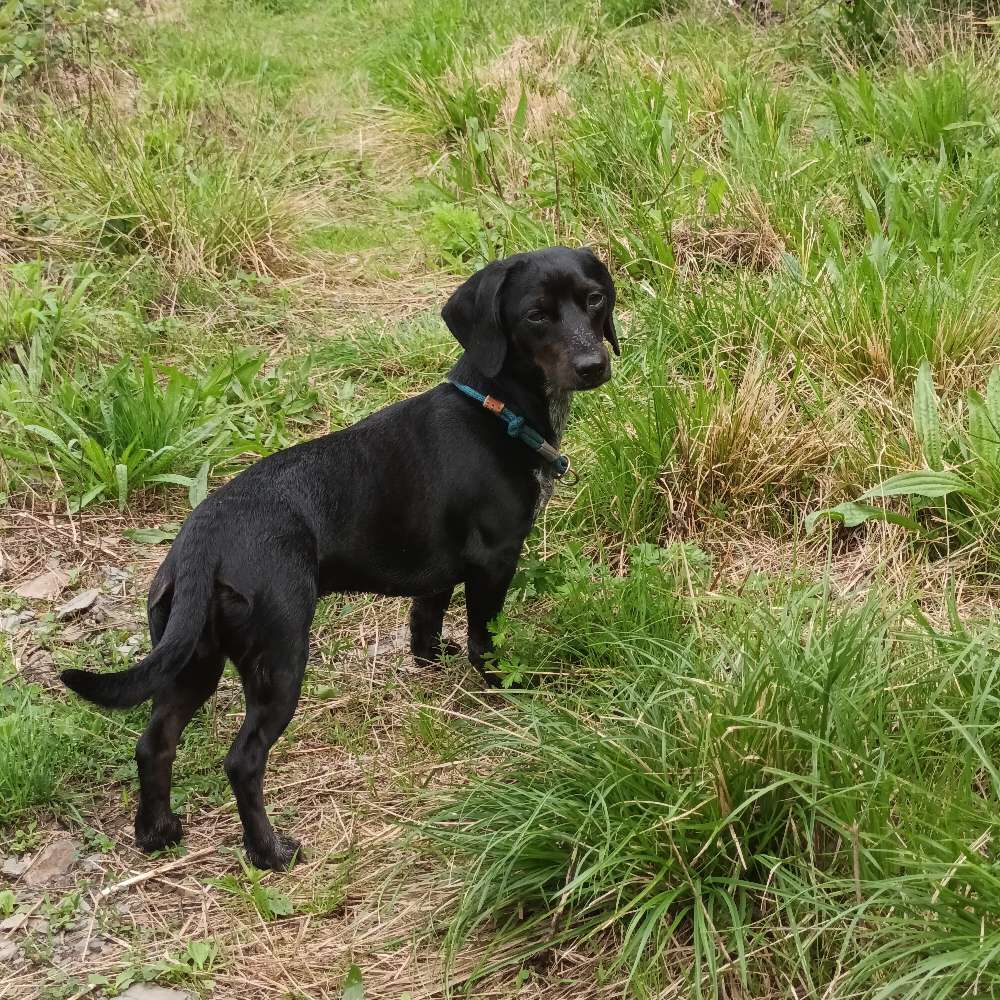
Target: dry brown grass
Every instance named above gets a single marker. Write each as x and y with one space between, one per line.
759 442
699 246
529 68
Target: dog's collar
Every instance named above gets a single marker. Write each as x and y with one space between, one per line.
518 428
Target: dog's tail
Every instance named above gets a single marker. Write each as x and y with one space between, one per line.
188 614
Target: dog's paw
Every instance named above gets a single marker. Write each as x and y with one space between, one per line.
156 835
278 855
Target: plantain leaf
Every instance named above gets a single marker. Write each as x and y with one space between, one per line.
926 417
925 483
354 988
153 536
199 486
121 479
984 439
993 397
852 514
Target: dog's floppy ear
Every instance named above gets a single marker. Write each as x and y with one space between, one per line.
610 334
473 316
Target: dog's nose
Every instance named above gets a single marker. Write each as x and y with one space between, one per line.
590 369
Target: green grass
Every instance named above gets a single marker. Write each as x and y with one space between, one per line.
48 751
236 229
106 433
793 786
165 189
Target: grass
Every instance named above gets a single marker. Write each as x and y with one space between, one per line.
105 434
798 785
165 189
47 750
737 755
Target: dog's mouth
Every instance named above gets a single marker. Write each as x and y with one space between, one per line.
585 382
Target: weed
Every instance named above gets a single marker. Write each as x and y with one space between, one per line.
38 34
268 901
32 305
958 489
43 750
25 838
937 111
193 965
107 433
62 915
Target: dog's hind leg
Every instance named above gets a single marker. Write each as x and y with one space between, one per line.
156 826
426 622
272 680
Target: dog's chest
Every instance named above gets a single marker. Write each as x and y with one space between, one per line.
558 415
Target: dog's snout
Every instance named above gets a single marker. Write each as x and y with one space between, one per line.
590 369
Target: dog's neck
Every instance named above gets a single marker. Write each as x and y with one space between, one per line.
525 392
558 403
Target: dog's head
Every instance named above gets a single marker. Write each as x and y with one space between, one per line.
551 310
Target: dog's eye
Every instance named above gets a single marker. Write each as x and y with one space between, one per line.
595 300
535 316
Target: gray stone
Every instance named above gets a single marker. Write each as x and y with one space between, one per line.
115 576
8 951
390 645
78 603
12 621
46 586
150 991
12 923
14 867
130 645
55 860
92 864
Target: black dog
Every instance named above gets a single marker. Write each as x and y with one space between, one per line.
426 494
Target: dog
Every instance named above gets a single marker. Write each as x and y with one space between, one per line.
430 492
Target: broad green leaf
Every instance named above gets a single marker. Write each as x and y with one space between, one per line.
926 417
272 903
993 397
873 222
852 514
354 988
199 486
520 119
153 536
171 477
121 478
48 435
92 494
984 439
926 483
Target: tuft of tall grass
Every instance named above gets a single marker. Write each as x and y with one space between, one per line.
879 313
169 189
45 747
105 434
800 800
673 451
33 304
941 108
954 498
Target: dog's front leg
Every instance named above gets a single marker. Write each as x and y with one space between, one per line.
485 590
426 622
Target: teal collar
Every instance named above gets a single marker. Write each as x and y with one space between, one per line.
517 428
